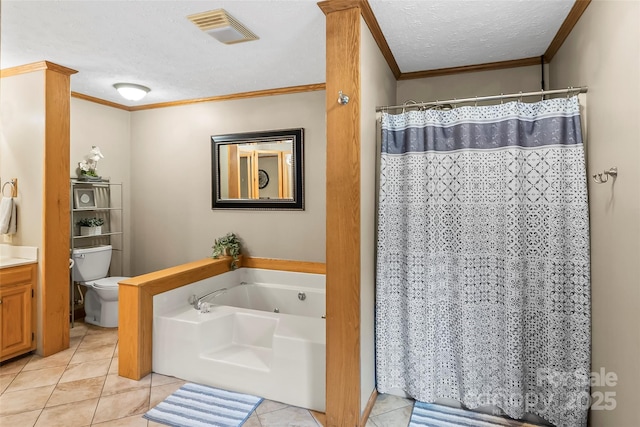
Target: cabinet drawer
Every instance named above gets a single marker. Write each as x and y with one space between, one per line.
15 275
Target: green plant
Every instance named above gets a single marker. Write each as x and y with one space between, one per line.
229 244
90 222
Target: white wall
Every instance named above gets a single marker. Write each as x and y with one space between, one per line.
110 129
22 131
603 53
22 150
173 222
467 85
377 87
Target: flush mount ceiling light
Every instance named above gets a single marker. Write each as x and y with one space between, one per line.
130 91
222 26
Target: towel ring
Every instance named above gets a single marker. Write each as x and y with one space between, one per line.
12 188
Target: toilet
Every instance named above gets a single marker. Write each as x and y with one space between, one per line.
90 269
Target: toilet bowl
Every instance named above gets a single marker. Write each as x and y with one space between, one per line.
101 299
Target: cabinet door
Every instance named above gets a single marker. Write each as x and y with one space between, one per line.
15 318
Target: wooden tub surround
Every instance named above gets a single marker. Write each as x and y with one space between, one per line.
135 316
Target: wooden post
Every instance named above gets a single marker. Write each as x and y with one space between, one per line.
343 214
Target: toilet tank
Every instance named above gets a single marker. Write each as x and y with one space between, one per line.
91 263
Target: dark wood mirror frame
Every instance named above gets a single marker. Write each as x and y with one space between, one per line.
296 199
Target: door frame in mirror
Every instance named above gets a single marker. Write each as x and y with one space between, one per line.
295 203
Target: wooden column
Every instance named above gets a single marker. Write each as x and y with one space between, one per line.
343 214
53 263
135 317
54 255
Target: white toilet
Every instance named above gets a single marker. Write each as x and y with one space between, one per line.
101 300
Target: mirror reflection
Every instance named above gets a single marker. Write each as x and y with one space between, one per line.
261 170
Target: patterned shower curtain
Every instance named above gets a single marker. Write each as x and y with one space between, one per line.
483 289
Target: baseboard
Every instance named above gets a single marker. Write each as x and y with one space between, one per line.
320 417
368 408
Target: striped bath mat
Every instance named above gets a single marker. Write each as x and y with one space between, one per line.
431 415
194 405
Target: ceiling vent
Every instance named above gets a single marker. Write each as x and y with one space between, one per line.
222 26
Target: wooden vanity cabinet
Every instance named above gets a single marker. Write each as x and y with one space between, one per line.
17 310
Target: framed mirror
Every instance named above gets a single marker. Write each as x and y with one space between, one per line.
258 170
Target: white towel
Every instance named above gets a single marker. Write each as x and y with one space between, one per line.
7 216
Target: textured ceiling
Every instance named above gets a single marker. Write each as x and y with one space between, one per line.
429 35
153 43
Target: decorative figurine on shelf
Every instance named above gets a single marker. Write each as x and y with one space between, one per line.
87 168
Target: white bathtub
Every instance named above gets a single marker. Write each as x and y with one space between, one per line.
241 344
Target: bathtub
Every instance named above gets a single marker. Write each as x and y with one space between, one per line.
264 335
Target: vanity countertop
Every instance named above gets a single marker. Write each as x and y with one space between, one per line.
11 256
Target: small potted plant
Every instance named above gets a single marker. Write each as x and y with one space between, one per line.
90 226
228 245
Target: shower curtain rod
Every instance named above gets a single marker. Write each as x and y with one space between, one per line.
582 89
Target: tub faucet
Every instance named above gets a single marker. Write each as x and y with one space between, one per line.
197 303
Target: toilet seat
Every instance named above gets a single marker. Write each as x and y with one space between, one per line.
107 282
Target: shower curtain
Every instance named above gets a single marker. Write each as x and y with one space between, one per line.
482 284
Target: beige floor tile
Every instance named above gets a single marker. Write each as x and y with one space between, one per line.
37 378
134 421
96 330
59 359
78 330
74 342
23 419
253 421
370 423
15 366
388 402
98 340
5 380
269 406
113 368
76 391
93 353
115 353
116 384
24 400
289 416
161 392
158 379
122 405
76 414
396 418
81 371
154 424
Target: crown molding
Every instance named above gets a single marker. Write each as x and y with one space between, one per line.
99 101
524 62
243 95
565 29
367 14
36 66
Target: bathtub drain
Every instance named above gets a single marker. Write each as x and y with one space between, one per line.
276 310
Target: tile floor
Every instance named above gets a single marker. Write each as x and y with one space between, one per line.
80 387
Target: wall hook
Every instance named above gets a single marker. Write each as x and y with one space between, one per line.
342 98
601 178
